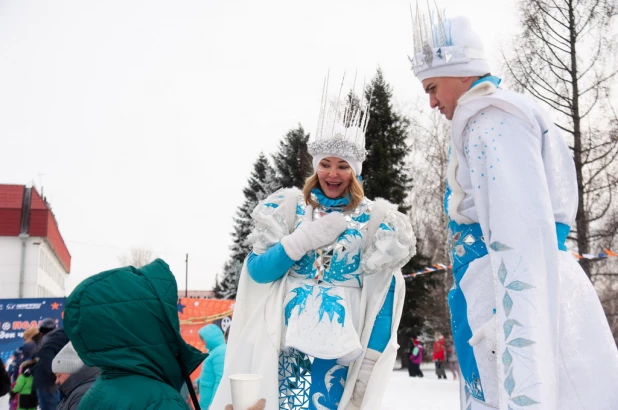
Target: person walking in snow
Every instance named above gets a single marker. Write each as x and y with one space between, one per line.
452 363
439 355
416 359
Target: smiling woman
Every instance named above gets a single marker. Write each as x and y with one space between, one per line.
323 284
335 178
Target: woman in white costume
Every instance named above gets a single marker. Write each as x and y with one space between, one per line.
320 297
528 326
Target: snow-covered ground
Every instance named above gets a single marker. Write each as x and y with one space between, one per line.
429 393
404 392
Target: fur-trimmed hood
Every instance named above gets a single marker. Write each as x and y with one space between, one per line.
29 363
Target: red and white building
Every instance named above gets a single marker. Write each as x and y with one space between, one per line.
34 260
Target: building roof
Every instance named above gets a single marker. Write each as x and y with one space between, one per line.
24 211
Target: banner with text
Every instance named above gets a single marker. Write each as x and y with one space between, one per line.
17 315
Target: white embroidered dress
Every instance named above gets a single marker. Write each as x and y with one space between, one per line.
268 320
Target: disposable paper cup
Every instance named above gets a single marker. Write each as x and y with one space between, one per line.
246 389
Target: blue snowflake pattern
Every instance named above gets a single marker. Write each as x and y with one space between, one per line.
300 300
330 305
515 343
304 267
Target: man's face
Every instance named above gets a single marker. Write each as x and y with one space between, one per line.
445 91
61 378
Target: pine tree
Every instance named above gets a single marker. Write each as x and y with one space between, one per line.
385 173
262 183
292 162
227 287
269 185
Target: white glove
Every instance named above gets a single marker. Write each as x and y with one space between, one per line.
487 332
313 234
371 357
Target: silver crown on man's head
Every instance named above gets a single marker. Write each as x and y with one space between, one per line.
440 43
341 129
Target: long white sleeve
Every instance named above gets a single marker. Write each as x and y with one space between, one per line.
512 200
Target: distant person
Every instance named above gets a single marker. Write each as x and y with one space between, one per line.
212 370
25 352
409 354
451 359
439 355
46 326
416 358
44 379
125 321
23 388
73 377
13 372
15 361
30 334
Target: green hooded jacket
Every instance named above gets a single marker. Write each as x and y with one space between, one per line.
125 321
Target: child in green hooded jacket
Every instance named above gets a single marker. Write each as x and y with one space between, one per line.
27 399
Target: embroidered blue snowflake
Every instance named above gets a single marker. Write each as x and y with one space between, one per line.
304 267
300 300
330 305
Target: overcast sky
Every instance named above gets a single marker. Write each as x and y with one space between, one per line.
142 119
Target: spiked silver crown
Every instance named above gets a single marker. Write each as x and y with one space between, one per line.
341 128
434 46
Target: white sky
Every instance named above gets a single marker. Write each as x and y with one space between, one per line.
142 119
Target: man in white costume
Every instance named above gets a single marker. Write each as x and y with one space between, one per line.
528 327
320 297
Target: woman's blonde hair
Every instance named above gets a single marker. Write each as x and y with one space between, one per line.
354 191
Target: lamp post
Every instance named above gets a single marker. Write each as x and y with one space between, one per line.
187 276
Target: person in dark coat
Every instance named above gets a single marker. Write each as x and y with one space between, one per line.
46 326
5 380
44 378
73 377
416 358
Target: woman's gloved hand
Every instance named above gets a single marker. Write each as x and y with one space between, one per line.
370 359
313 234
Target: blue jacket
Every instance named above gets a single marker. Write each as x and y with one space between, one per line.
212 369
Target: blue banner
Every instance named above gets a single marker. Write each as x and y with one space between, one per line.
17 315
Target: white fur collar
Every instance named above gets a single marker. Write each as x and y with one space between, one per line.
457 192
483 89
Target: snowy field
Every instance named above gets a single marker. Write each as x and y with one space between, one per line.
404 392
429 393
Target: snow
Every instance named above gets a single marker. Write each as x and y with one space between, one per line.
428 393
404 392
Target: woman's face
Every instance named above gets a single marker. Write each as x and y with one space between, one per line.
335 176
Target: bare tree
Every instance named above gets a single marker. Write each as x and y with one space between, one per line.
136 257
565 57
429 158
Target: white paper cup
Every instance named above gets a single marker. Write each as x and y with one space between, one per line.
246 390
